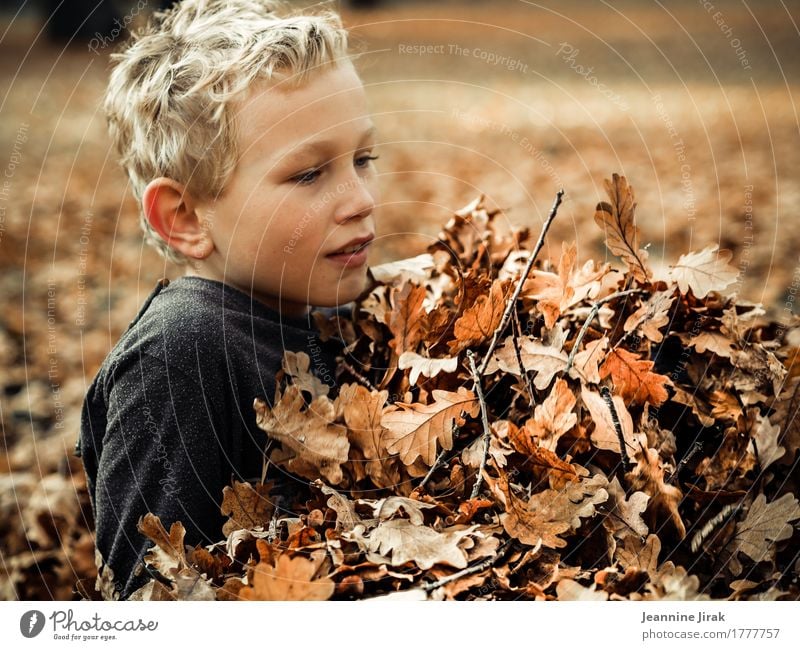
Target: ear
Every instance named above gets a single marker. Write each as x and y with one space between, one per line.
171 211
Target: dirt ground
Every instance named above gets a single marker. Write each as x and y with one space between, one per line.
696 106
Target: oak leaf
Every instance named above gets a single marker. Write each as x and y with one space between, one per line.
604 435
246 505
765 525
296 365
616 218
648 476
404 320
633 378
552 291
293 578
311 438
704 272
552 418
169 553
651 316
479 321
413 430
545 360
425 366
398 541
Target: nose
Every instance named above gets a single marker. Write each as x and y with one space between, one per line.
359 197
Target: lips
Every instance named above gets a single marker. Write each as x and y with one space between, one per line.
353 254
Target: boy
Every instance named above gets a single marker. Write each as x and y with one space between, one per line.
246 137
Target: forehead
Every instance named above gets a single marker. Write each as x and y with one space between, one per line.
274 120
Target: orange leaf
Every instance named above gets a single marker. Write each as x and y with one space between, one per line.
633 378
479 321
404 319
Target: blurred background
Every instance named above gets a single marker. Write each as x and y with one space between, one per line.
694 101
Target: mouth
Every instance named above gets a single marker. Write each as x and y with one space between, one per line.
352 254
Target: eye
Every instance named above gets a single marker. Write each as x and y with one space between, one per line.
363 161
307 178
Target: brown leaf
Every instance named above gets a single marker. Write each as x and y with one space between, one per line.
398 541
704 272
648 476
550 513
247 506
309 436
651 316
293 578
413 430
296 365
537 357
765 525
168 552
552 418
605 435
404 319
617 221
479 321
553 292
362 410
633 378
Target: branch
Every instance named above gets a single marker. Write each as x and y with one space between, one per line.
484 418
475 568
592 313
512 303
626 462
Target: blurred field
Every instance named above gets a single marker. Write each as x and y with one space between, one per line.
513 100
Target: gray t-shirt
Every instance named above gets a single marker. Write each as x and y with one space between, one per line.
168 421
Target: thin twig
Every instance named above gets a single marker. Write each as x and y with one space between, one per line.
433 468
511 305
484 418
686 458
522 371
626 463
475 568
361 379
592 313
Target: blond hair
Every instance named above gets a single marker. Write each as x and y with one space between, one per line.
168 102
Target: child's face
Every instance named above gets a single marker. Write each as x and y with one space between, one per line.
304 189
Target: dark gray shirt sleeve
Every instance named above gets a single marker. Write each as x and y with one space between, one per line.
160 454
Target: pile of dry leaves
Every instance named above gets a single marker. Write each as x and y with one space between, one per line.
507 428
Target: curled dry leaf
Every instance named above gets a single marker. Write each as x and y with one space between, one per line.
616 218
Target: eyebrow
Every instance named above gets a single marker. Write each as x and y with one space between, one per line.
319 146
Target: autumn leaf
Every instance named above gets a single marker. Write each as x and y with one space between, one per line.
704 272
413 430
714 342
633 378
616 218
651 316
310 436
416 269
425 366
296 365
552 418
552 291
648 476
586 364
764 526
545 360
625 512
168 554
640 555
550 513
765 437
604 435
479 321
293 578
362 411
247 506
398 541
404 319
